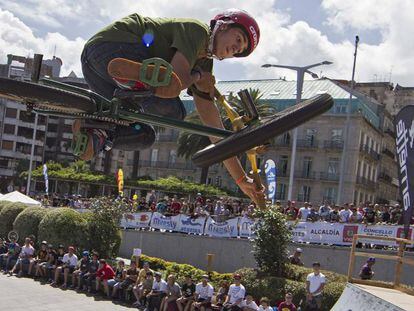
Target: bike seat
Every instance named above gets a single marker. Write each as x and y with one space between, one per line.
125 94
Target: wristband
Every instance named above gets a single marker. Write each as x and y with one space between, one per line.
240 179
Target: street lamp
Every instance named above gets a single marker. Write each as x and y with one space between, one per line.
300 73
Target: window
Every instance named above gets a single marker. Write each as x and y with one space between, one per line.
52 127
27 117
25 132
154 156
358 172
281 194
172 157
9 129
7 145
11 113
307 166
336 135
4 163
333 166
218 181
310 136
286 138
361 197
330 194
304 194
283 165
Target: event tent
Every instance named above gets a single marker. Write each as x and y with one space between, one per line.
18 197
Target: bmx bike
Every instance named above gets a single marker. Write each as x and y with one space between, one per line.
50 97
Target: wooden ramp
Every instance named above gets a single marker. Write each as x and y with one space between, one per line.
358 297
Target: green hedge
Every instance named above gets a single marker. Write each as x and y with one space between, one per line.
4 204
64 226
27 222
8 214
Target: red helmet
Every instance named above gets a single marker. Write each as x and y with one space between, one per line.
246 22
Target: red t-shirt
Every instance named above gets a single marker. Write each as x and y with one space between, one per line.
105 273
175 207
284 307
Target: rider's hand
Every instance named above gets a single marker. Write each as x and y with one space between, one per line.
206 83
249 188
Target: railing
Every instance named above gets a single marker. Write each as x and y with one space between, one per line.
333 144
389 153
370 152
390 132
168 165
385 176
398 258
307 143
305 175
329 176
365 181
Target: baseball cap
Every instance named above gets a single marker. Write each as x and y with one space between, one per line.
44 242
158 274
205 276
371 259
299 250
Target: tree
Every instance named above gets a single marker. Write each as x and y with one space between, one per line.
272 239
189 144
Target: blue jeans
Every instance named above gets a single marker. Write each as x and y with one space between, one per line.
95 59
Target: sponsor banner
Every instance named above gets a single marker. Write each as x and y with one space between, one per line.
384 231
189 224
161 222
136 220
404 126
246 227
324 233
298 230
225 229
270 170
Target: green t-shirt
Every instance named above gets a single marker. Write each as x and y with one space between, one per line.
189 36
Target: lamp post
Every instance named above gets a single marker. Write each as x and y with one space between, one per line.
300 73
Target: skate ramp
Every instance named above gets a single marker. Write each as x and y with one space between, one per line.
364 298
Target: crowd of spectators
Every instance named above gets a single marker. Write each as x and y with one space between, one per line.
145 288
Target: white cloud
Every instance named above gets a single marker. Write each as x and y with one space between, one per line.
282 42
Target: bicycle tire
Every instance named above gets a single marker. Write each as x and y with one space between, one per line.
45 97
251 137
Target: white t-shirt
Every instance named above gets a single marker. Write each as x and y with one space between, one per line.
251 305
344 215
70 260
304 212
236 292
27 251
268 308
314 282
204 292
160 286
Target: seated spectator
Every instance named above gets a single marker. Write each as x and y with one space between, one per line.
265 304
131 276
287 305
69 263
324 211
222 293
142 277
295 258
142 290
157 293
345 213
315 283
13 251
3 248
396 214
366 272
173 292
304 212
187 294
81 270
356 217
104 274
235 295
90 276
26 254
203 294
44 269
248 304
313 214
334 214
40 258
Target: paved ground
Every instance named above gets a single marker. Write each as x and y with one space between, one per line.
27 294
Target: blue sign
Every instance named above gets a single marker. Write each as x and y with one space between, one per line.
270 170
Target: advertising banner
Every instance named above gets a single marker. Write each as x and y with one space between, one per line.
270 170
404 126
136 220
161 222
246 226
192 225
225 229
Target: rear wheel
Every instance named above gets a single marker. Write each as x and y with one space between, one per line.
251 137
45 97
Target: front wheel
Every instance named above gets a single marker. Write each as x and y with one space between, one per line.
251 137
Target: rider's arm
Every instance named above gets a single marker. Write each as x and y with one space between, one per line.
210 116
181 67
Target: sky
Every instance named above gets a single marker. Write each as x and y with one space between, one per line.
293 32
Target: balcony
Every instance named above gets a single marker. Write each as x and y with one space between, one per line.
283 173
329 176
389 153
168 165
369 152
390 132
305 175
281 143
366 182
333 144
384 176
307 143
